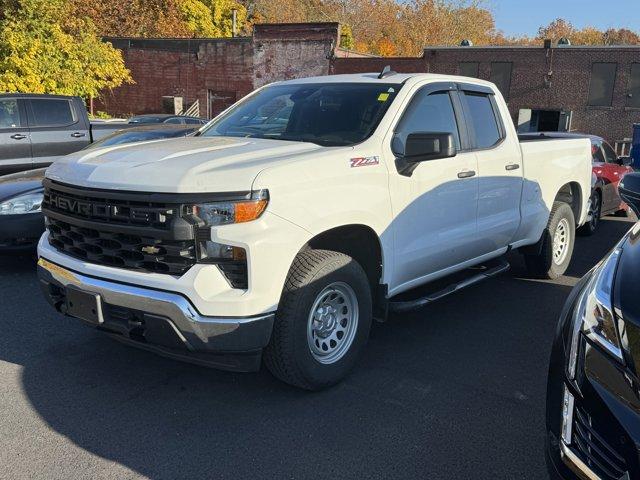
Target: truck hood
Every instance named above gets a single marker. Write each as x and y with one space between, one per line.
185 165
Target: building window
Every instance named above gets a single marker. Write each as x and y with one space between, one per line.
501 76
469 69
633 95
603 78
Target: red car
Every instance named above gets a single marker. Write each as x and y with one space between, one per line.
608 169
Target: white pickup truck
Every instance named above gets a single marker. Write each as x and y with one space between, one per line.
297 215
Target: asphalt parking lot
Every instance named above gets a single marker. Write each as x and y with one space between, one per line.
455 390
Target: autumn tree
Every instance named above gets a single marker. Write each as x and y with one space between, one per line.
162 18
622 36
44 50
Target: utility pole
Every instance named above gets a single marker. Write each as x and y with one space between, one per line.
234 25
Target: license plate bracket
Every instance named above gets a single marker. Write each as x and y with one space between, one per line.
84 305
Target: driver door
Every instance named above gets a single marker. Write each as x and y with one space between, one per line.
435 207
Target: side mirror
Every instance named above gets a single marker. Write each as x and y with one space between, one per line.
625 161
420 147
629 189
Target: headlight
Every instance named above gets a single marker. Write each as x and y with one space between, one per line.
231 260
594 314
224 213
27 203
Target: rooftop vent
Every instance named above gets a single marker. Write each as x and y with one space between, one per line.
564 41
466 43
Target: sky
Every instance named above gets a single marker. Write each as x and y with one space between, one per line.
517 17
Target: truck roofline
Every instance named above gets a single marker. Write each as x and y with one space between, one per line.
372 77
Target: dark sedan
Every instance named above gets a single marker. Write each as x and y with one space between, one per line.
21 221
593 395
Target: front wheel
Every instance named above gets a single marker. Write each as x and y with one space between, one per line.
323 320
557 244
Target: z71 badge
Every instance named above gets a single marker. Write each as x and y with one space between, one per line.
364 161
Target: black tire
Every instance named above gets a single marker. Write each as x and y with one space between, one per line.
595 210
288 355
542 265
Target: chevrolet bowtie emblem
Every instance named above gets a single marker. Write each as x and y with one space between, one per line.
150 250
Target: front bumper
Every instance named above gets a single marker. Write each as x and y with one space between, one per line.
20 232
602 412
164 322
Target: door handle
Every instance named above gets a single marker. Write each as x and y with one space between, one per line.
512 166
78 134
18 136
466 174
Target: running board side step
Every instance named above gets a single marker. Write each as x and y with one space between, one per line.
408 306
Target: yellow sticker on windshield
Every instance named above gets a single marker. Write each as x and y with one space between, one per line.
383 97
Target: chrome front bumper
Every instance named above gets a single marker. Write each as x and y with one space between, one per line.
192 331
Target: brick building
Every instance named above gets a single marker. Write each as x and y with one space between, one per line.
589 89
218 71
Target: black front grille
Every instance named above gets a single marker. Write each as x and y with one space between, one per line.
146 232
593 450
99 207
134 252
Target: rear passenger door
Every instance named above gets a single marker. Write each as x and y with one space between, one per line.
15 144
499 168
57 128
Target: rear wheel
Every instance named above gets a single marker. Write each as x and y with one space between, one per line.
595 211
322 322
557 244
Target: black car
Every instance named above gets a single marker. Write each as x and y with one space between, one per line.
21 221
593 394
167 119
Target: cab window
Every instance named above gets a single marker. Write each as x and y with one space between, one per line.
50 112
429 113
482 119
9 114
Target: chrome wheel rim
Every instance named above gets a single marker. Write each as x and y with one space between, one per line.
332 323
561 239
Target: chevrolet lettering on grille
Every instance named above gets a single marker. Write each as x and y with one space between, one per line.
105 211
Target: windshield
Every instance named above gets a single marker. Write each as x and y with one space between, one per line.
327 114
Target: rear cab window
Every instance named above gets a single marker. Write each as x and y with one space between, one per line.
50 112
485 128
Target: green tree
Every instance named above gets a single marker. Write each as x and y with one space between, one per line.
222 16
346 37
198 18
43 50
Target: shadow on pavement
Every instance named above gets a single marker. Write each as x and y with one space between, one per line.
455 390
